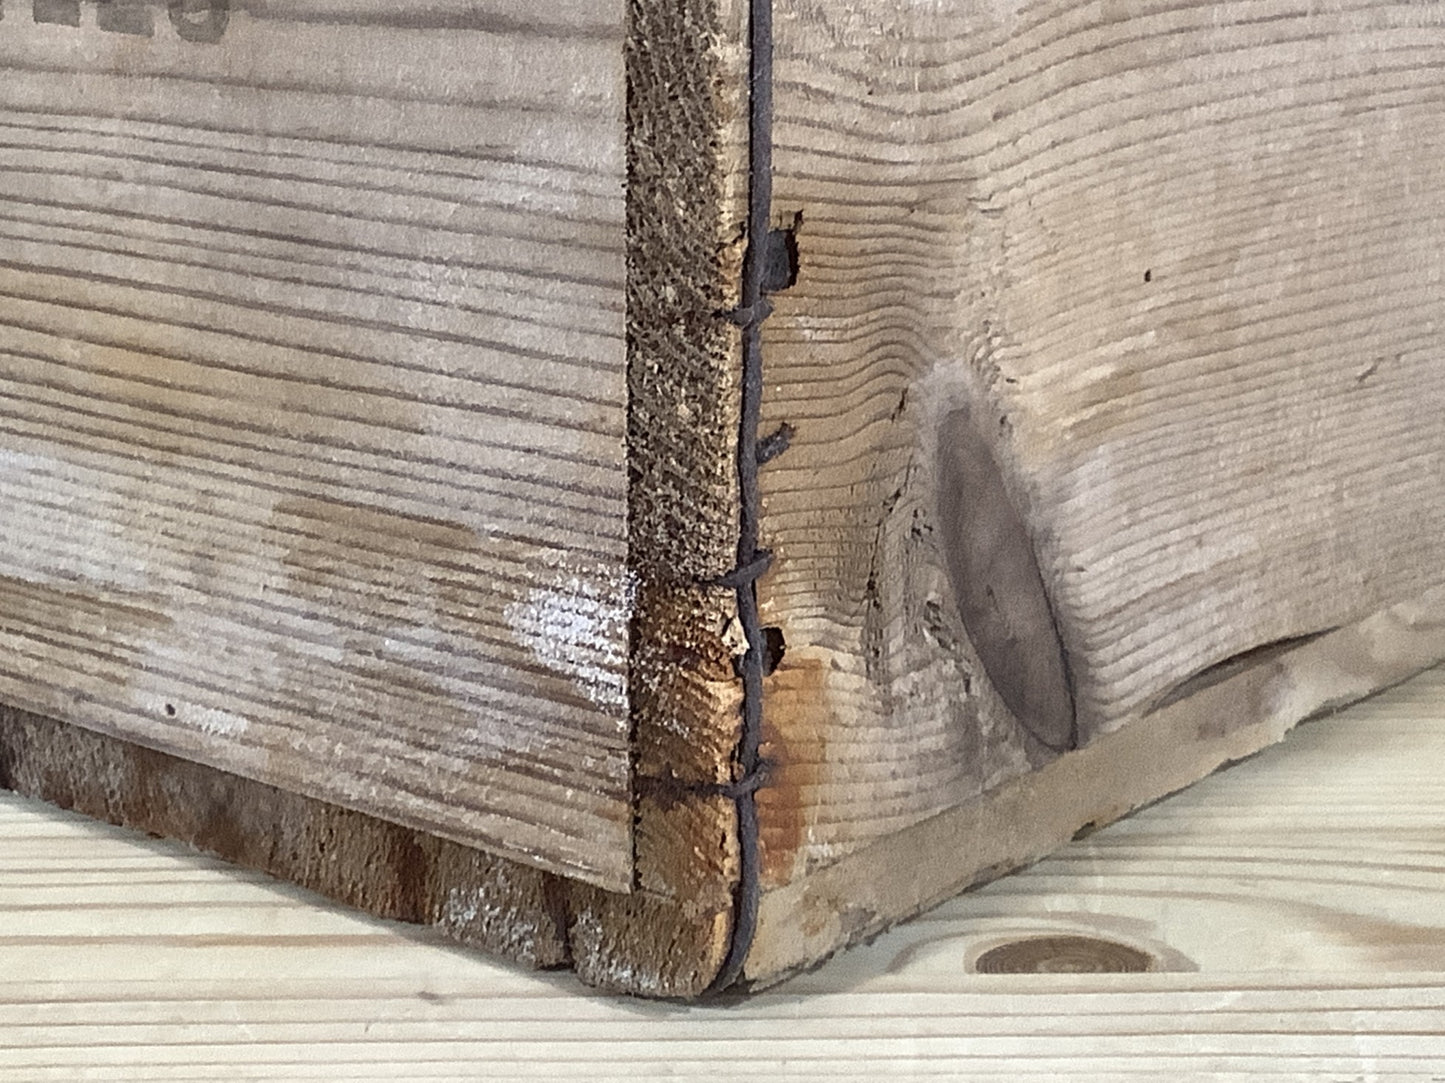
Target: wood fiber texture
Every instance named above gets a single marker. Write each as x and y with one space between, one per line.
1181 264
313 441
665 939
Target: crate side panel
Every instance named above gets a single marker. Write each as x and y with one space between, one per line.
313 403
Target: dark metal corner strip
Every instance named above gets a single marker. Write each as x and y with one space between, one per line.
753 310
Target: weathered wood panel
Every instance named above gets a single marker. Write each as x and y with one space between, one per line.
313 402
1181 264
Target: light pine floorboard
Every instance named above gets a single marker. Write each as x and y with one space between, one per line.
1293 906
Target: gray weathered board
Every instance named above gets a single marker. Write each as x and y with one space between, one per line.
313 434
370 391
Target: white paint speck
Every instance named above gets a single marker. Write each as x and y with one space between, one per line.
215 723
576 625
462 907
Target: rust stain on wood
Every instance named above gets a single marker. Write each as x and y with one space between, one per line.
795 748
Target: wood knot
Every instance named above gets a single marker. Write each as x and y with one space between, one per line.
999 585
1064 955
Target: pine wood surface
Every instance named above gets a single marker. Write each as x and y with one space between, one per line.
1290 906
1178 263
313 432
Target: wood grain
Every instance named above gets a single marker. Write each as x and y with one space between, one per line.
313 403
1182 261
1291 904
1028 817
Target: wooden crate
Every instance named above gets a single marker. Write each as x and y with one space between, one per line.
672 488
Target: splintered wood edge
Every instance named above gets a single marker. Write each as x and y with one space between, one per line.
1022 821
667 940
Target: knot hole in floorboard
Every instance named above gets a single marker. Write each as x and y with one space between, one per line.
1065 955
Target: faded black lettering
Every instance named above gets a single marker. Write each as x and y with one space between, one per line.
202 21
126 17
61 12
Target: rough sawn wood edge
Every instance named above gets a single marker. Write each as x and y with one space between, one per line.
669 935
